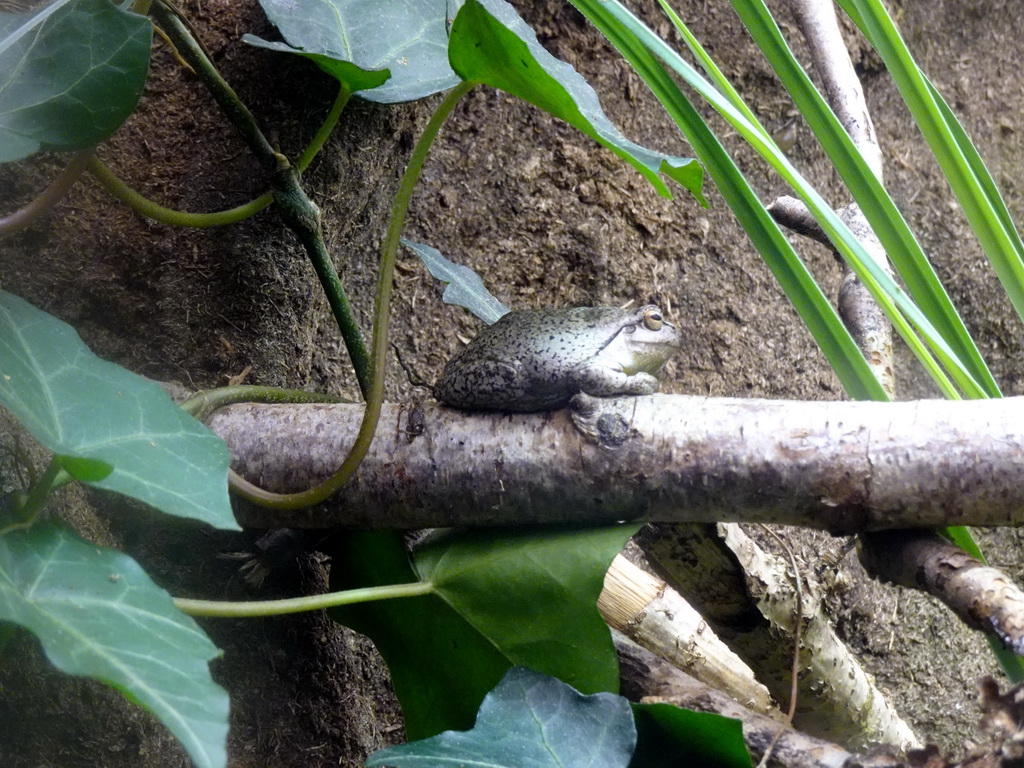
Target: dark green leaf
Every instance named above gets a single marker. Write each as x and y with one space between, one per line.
491 44
533 593
86 470
504 597
363 43
440 666
529 721
97 613
671 737
464 289
93 413
70 73
354 78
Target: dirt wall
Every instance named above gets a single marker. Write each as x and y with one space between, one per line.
547 218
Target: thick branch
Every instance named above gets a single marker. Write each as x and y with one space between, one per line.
841 467
860 313
652 614
817 20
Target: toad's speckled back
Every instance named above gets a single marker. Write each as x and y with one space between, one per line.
537 359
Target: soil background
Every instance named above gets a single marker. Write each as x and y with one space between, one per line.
547 218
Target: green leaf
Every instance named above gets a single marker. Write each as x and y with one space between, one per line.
363 44
491 44
629 34
464 289
446 650
977 196
441 667
97 613
70 73
86 470
878 207
665 732
355 78
548 581
529 721
94 413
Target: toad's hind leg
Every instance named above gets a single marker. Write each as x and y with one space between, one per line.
482 384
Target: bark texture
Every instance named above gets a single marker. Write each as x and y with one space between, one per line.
842 467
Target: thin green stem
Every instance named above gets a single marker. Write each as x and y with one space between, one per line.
260 608
303 218
45 202
344 94
36 497
175 218
371 415
143 205
202 404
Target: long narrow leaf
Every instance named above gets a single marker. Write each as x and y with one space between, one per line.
887 220
710 67
992 228
818 314
981 172
616 21
881 212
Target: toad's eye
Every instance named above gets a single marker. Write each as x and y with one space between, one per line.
653 319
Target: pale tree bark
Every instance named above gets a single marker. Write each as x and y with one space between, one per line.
836 466
652 614
835 698
651 679
982 596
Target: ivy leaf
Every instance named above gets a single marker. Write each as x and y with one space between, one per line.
548 620
97 613
388 51
446 650
112 429
529 721
70 73
665 731
464 289
491 44
441 667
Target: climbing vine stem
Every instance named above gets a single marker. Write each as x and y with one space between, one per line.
297 210
389 252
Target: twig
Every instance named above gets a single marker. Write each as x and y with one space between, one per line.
45 202
837 698
649 679
983 597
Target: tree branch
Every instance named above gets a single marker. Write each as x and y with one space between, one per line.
983 597
647 678
837 699
841 467
652 614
